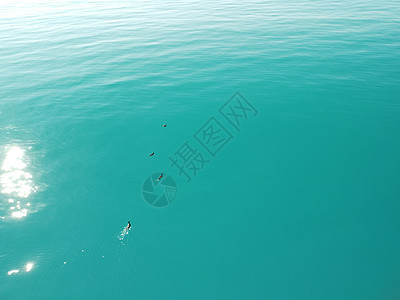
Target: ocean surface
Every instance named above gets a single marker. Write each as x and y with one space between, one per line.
277 175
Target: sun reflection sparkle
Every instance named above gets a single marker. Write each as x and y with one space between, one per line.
28 267
14 159
12 272
15 181
20 214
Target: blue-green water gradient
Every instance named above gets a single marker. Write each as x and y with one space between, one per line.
302 203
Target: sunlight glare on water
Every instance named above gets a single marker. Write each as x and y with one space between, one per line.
28 267
13 272
16 182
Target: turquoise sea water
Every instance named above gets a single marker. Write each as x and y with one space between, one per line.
301 203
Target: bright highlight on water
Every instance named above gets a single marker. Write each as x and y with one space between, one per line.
16 182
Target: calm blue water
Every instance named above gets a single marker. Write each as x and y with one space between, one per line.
300 201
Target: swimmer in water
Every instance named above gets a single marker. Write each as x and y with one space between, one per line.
151 154
162 174
165 125
129 225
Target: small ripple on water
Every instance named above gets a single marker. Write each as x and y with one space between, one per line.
124 232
